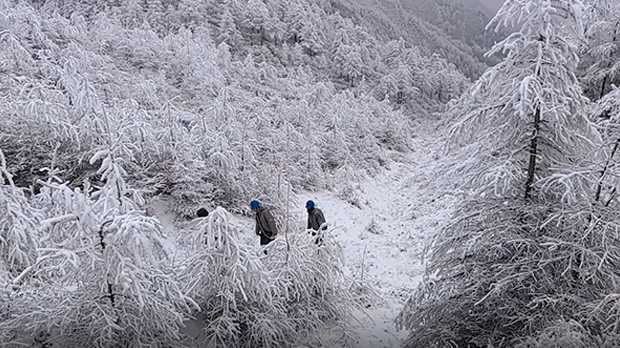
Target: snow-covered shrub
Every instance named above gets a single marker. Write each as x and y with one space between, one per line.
233 288
345 186
565 333
311 286
295 293
19 238
102 278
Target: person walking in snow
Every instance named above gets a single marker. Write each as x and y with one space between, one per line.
265 223
316 221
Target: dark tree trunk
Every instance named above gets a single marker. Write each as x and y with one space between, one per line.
614 39
110 294
600 182
603 87
531 169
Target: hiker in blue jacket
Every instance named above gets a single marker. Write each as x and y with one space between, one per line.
265 223
316 221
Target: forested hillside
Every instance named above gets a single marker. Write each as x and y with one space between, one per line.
453 29
198 95
107 104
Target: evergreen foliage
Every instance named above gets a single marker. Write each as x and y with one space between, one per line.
19 237
601 63
101 277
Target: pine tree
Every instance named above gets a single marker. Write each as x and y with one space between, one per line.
295 18
228 31
132 13
257 21
103 277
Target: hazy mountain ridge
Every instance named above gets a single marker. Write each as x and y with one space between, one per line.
453 29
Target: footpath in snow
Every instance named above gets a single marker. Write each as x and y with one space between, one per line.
384 239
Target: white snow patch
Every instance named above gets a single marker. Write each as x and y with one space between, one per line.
384 241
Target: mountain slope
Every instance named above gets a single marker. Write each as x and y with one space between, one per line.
454 30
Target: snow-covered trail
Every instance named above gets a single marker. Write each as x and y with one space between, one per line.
383 236
384 239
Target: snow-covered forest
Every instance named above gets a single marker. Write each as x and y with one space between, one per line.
495 147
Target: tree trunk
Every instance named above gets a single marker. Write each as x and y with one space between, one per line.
110 294
615 37
600 181
533 153
602 94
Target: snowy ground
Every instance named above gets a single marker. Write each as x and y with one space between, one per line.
386 238
383 237
382 249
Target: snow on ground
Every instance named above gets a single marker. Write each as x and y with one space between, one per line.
383 235
385 238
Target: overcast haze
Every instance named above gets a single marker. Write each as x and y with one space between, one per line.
492 4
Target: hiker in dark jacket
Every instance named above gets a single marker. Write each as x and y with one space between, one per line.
265 223
316 220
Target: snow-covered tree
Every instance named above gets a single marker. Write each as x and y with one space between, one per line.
346 54
520 111
19 236
103 267
228 31
295 294
602 58
606 113
258 22
232 287
525 253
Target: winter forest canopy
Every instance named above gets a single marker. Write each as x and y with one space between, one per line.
109 104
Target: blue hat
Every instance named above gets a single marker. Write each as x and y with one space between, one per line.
254 205
309 204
